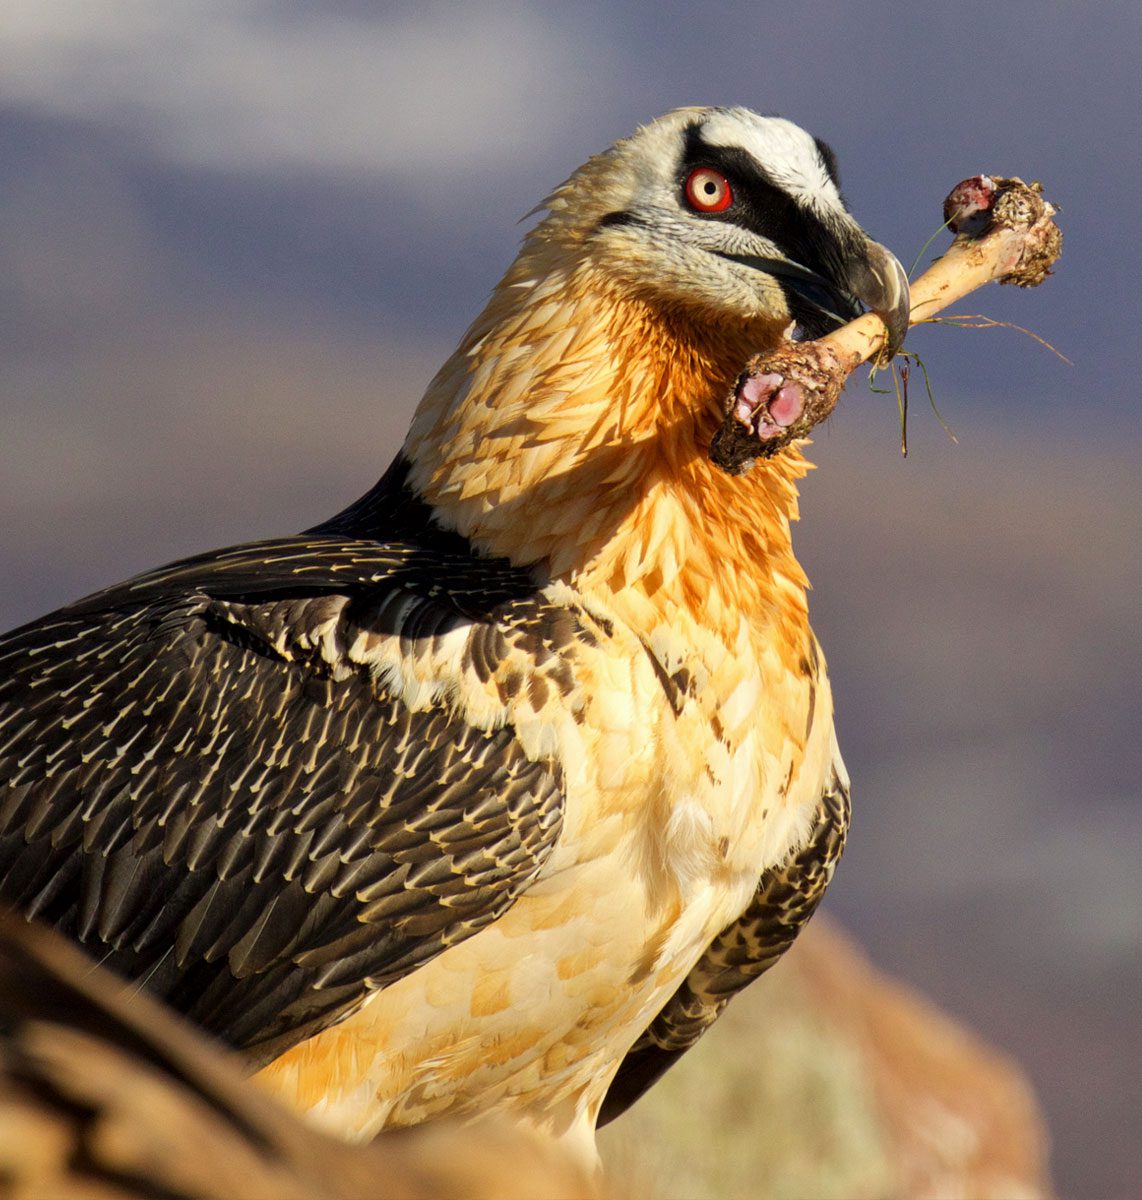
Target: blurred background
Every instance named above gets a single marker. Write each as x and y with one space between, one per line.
237 238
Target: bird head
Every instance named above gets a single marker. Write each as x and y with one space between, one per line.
729 216
570 429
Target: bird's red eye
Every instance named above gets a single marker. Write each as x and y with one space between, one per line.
708 191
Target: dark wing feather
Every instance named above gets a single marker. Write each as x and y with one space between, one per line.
198 784
786 897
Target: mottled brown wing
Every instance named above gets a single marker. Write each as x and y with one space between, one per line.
786 898
199 785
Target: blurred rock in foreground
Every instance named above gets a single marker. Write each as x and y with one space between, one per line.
829 1080
106 1095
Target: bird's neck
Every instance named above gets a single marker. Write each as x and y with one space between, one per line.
569 432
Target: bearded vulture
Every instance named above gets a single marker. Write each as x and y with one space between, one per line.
488 793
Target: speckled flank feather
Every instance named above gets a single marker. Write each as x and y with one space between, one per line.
445 805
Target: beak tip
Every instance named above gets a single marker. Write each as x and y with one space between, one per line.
888 297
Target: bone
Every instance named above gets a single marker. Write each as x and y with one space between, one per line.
1004 232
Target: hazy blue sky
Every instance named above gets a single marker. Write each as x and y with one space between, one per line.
236 238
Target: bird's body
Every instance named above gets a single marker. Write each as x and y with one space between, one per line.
517 769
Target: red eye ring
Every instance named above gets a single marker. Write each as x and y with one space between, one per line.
707 190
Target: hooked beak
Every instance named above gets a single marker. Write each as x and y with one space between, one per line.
880 283
871 278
